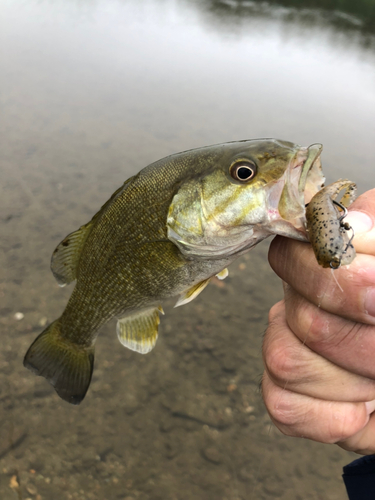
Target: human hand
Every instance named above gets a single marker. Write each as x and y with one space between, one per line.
319 347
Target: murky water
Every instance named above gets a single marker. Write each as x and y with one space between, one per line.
92 91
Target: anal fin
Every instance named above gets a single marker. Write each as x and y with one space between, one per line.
139 331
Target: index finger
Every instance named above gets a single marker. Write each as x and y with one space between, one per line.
348 291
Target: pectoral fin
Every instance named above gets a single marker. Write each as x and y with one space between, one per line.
192 292
139 331
222 274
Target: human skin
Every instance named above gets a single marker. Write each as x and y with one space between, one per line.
319 347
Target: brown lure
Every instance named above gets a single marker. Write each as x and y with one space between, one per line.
328 234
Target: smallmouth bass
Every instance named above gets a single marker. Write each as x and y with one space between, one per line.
166 232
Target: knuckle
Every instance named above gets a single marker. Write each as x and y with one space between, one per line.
281 407
327 332
285 414
282 361
319 332
316 325
344 424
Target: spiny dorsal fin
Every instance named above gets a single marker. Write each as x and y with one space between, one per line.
139 331
66 256
192 292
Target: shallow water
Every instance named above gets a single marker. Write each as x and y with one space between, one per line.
91 92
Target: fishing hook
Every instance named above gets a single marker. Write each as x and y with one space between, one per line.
347 227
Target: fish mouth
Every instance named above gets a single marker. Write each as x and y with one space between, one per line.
303 179
288 197
312 178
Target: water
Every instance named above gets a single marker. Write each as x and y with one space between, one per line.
90 93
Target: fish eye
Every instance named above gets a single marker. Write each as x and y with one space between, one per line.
243 171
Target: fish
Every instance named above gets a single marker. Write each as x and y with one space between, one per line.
166 232
327 233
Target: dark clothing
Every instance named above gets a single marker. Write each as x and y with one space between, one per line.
359 478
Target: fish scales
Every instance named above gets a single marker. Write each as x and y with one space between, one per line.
139 232
166 232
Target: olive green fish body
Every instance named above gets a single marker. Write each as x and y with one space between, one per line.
128 258
166 232
328 236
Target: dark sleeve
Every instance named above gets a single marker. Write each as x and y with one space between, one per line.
359 478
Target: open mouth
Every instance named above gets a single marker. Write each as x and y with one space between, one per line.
303 179
312 178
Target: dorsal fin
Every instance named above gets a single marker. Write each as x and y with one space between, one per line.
65 258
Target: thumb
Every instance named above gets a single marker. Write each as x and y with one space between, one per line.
361 217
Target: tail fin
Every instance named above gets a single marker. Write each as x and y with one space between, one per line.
67 366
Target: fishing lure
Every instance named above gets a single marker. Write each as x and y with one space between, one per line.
327 231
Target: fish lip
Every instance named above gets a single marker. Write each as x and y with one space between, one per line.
303 178
311 179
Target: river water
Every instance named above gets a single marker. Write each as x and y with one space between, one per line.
92 91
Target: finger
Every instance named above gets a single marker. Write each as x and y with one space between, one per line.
361 217
362 442
292 365
345 343
302 416
348 291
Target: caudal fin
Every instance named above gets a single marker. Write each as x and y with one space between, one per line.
67 366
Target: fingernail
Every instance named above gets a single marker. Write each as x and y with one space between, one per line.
360 221
370 302
370 406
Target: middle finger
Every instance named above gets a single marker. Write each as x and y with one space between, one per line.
345 343
292 365
347 291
